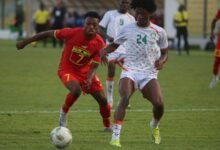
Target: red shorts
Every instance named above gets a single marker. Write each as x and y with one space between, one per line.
217 47
67 76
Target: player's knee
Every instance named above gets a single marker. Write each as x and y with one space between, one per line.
159 106
158 102
124 102
146 96
74 88
76 93
105 110
103 102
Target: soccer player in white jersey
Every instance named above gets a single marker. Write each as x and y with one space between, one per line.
146 53
113 21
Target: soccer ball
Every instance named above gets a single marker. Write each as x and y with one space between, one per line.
61 137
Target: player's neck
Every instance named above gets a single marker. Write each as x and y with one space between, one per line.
144 25
122 12
89 37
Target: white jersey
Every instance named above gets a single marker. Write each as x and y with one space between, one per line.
142 47
114 21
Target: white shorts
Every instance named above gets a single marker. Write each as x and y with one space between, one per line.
118 54
140 79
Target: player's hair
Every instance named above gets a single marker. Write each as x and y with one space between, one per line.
149 5
181 7
92 14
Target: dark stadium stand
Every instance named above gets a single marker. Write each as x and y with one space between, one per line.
84 5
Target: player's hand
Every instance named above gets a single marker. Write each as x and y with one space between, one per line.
103 55
158 64
20 45
119 62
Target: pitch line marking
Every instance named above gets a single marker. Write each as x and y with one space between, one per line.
95 111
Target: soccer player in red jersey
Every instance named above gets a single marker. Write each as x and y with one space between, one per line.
79 61
216 63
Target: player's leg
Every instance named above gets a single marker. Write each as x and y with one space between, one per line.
216 66
37 30
185 37
45 40
110 82
75 92
126 89
96 90
178 40
152 92
215 79
73 86
41 28
104 109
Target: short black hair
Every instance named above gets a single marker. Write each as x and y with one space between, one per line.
149 5
181 7
92 14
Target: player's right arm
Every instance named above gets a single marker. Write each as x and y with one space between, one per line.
42 35
104 52
102 32
120 39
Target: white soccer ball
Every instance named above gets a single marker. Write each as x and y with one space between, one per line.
61 137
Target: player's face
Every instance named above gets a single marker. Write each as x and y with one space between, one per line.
142 17
124 5
91 26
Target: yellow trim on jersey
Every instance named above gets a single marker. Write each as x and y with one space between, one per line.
81 51
96 62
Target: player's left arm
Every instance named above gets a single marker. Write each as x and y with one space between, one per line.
102 32
163 44
162 60
94 63
93 67
104 52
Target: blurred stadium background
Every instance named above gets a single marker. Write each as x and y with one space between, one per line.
200 12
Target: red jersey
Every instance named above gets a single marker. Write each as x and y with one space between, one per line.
217 16
78 52
217 48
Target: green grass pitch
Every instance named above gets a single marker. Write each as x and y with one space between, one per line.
31 95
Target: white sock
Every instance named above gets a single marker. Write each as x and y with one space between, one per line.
216 78
154 123
116 131
109 88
